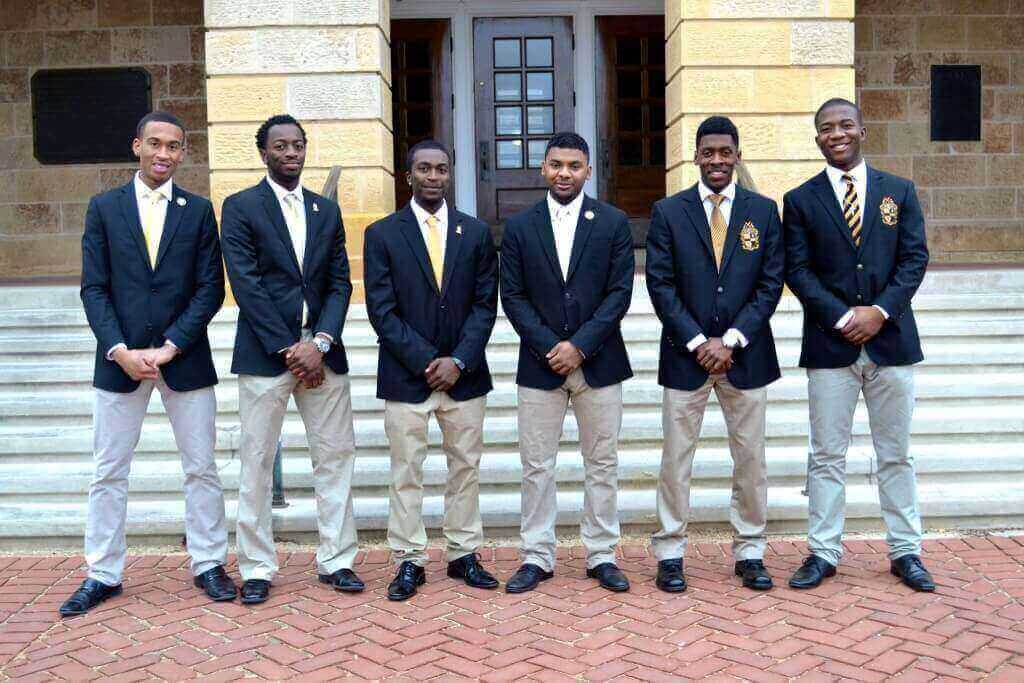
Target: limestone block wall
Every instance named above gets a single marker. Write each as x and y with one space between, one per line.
972 192
768 65
328 65
42 208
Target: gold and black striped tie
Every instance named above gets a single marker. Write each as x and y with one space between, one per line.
851 209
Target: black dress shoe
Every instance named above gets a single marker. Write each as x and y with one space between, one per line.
670 576
609 576
88 595
526 578
217 584
344 580
755 576
469 569
408 577
255 591
812 572
912 571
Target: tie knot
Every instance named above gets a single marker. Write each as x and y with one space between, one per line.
848 179
154 198
432 221
717 199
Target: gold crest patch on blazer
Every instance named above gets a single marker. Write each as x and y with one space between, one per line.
750 238
890 211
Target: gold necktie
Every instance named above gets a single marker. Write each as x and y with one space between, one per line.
153 230
851 209
718 228
294 221
434 248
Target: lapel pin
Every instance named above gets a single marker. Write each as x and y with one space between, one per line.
181 201
458 229
589 215
316 209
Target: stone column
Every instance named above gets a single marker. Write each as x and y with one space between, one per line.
328 65
768 65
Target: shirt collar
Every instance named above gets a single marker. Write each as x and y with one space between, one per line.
142 190
281 192
422 214
729 192
573 208
859 173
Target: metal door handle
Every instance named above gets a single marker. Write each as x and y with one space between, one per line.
485 162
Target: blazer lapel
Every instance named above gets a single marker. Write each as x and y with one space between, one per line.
827 197
130 209
452 244
870 210
273 208
175 211
312 227
737 217
699 219
412 234
547 237
584 226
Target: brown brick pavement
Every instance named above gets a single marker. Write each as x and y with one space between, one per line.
860 626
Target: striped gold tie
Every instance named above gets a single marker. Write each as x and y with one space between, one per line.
718 228
152 231
851 209
434 248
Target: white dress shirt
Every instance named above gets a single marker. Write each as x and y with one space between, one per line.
563 223
860 186
442 222
732 336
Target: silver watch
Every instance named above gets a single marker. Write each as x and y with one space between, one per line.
322 345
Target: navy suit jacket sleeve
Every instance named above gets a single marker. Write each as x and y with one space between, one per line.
754 315
339 288
478 326
95 292
208 296
824 306
678 322
515 298
400 339
618 291
243 269
911 256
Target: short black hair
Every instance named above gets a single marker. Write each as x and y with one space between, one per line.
276 120
718 125
838 102
425 144
161 117
567 140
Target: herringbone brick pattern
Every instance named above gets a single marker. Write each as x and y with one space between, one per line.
862 625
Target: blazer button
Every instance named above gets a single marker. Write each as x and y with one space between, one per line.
715 318
860 266
443 307
721 289
568 295
859 297
565 327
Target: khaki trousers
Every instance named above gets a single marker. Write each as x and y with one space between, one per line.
327 414
117 426
541 416
682 417
462 431
889 395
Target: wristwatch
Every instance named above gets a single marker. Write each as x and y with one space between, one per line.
322 345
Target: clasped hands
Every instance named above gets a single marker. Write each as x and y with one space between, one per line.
306 362
863 325
140 364
714 356
564 357
442 373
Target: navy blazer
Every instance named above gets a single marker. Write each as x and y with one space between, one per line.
127 301
268 285
586 308
414 320
691 297
830 274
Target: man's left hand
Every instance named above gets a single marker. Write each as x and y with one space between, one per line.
304 360
714 356
564 358
442 374
864 325
163 355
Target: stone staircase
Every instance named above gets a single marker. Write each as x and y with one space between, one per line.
968 427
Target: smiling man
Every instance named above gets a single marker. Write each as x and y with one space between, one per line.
566 283
284 247
855 256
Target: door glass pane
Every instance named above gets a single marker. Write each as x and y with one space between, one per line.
539 52
657 151
417 88
419 122
631 119
540 86
417 54
535 155
656 83
506 53
630 84
629 51
655 51
540 120
508 120
508 87
509 153
631 151
657 117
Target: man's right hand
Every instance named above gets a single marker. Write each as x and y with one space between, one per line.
137 364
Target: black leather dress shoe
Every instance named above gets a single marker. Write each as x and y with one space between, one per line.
526 578
408 577
609 576
217 584
469 569
670 576
88 595
255 591
755 576
812 572
912 571
344 580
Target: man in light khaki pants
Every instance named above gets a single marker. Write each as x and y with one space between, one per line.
714 270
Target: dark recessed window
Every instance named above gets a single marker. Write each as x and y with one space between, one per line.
85 116
956 102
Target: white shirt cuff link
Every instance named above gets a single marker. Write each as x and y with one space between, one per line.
692 345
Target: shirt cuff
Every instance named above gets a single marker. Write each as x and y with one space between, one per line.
115 347
692 345
733 338
845 319
168 342
885 313
459 363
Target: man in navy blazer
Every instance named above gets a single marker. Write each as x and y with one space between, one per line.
284 247
855 256
151 283
566 283
714 270
431 276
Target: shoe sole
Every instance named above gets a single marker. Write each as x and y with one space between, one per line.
666 589
527 590
398 598
224 598
914 588
326 578
113 594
